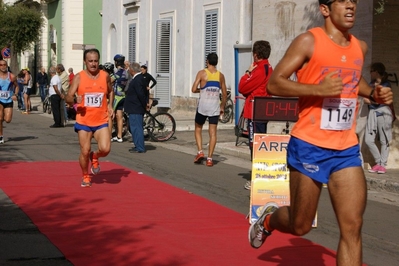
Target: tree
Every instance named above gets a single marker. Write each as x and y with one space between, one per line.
20 28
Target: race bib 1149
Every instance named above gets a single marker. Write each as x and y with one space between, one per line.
338 113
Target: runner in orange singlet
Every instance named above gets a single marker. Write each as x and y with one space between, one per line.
92 91
323 148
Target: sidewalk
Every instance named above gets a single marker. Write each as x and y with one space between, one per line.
388 182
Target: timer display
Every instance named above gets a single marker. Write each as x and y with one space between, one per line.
275 109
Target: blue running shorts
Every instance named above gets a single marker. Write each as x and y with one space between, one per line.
319 163
87 128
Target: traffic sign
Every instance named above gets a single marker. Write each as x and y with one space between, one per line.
6 52
83 46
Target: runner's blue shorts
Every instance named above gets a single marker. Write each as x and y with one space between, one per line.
319 163
79 127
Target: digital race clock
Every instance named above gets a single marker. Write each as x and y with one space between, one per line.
275 109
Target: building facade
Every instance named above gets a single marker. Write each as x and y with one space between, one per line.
173 38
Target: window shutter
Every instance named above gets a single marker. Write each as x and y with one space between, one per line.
132 43
211 31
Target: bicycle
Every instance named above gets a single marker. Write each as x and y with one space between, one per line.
47 105
228 109
160 126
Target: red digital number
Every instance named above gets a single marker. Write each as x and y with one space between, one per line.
270 108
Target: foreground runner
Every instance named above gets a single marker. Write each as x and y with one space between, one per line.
8 93
324 148
92 88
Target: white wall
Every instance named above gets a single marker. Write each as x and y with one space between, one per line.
187 35
72 33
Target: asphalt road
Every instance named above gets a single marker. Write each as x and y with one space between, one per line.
29 138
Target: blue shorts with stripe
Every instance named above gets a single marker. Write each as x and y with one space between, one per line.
87 128
319 163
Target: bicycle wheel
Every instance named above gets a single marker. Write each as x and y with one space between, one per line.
163 127
228 114
47 106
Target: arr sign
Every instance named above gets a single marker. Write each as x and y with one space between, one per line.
6 52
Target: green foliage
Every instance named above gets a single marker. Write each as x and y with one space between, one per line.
20 27
380 10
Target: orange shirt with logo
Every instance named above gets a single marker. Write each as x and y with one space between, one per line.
330 122
93 110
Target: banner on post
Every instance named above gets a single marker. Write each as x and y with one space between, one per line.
270 173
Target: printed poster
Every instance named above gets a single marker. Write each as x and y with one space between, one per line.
270 174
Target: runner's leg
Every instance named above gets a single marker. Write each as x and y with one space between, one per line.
85 147
297 218
103 139
212 139
198 136
348 192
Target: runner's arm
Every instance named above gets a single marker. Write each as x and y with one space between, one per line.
296 57
70 97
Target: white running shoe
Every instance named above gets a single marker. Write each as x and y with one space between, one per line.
120 140
1 140
257 233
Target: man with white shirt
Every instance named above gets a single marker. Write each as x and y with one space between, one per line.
55 97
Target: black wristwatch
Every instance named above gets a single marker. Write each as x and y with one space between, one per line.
247 71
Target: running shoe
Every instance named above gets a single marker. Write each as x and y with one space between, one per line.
95 165
247 185
86 181
120 140
209 162
375 168
257 233
382 170
1 140
200 156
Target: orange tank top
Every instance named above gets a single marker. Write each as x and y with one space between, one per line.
330 122
93 110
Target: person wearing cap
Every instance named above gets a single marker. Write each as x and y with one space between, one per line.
27 90
150 82
323 147
119 90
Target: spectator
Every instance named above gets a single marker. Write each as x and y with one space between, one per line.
71 74
135 105
379 122
64 90
119 91
150 82
27 90
42 83
253 83
55 97
20 82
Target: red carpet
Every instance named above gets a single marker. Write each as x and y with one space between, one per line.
127 218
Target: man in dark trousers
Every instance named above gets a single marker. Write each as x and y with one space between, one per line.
136 102
42 83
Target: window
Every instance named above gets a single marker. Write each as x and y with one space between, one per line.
132 43
211 31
